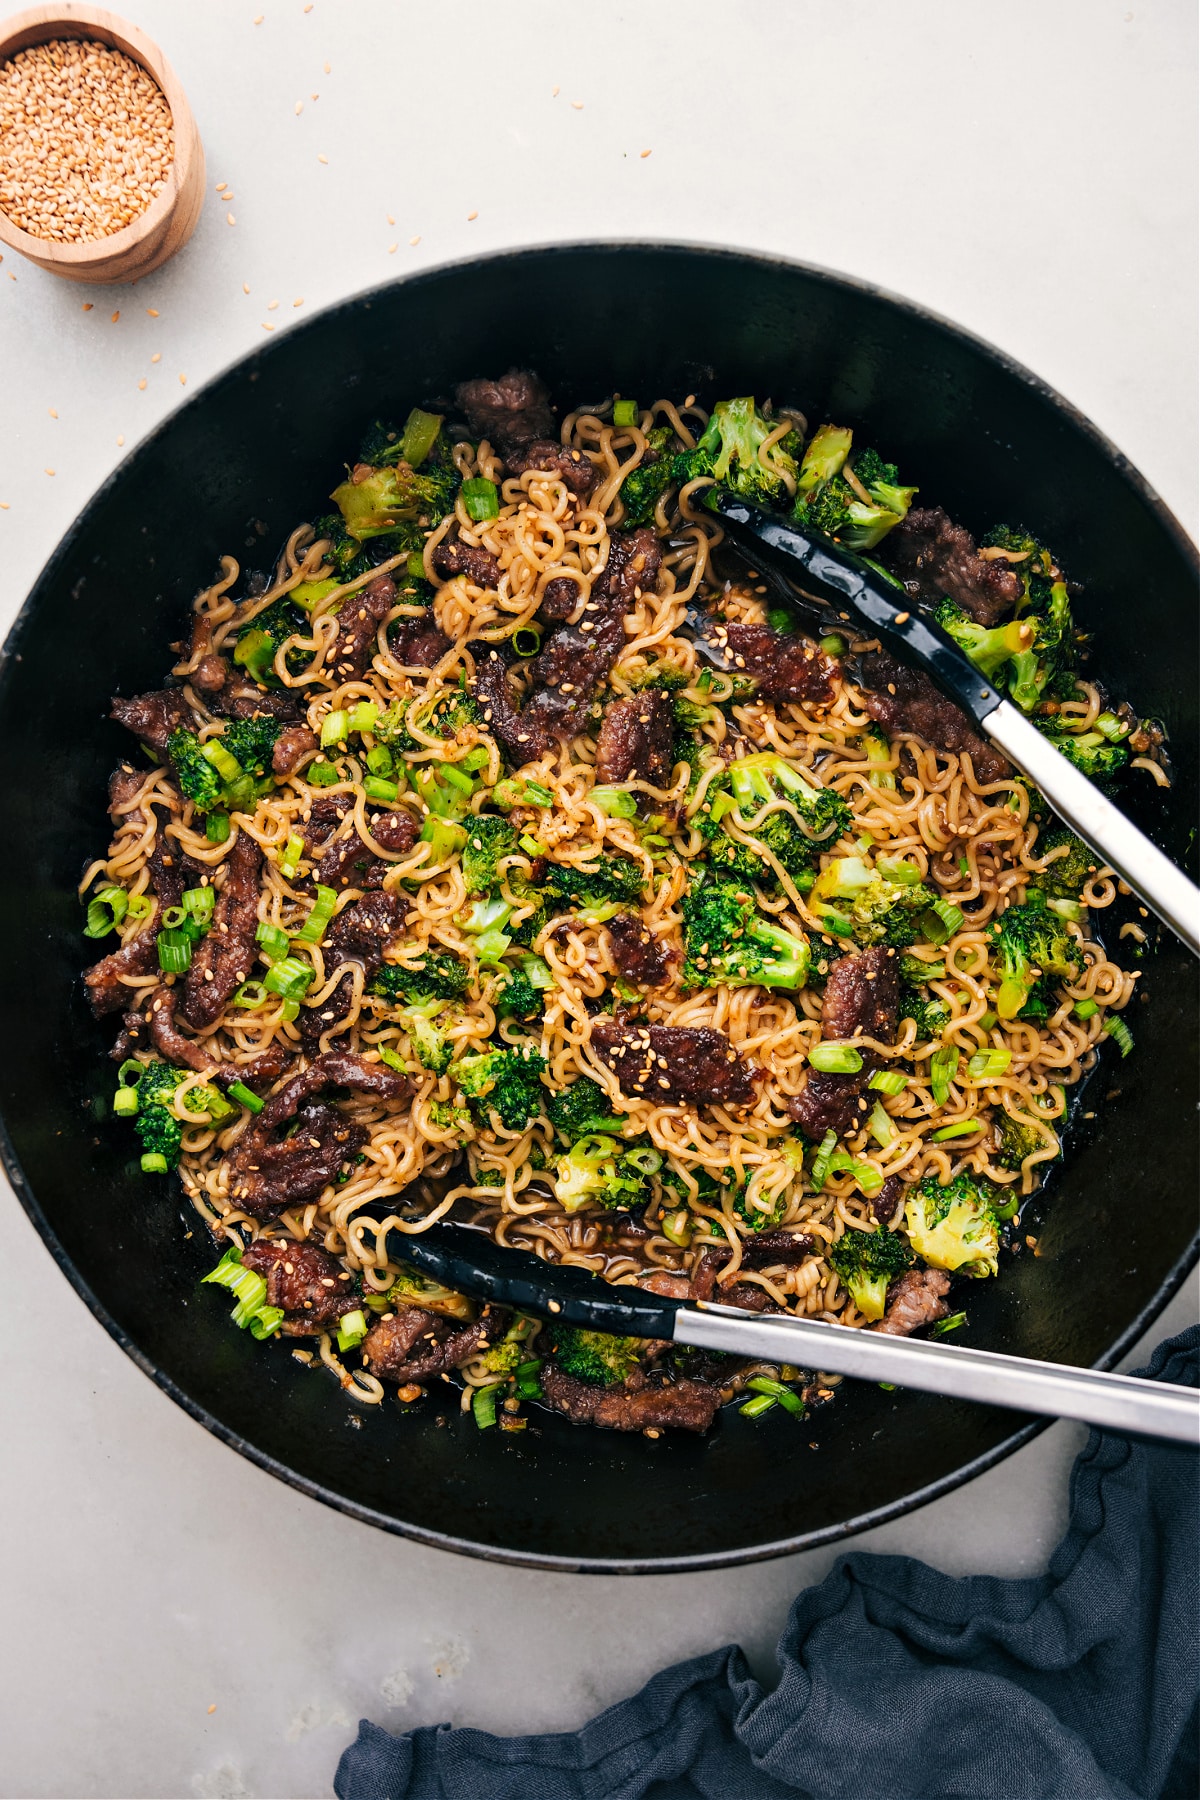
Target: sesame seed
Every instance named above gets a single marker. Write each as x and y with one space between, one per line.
578 105
472 216
414 240
322 159
157 357
142 382
644 154
299 106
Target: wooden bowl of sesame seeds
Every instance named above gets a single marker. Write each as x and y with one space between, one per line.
101 165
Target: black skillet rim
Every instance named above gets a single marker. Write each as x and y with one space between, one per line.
808 1540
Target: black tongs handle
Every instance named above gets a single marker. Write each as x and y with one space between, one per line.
916 639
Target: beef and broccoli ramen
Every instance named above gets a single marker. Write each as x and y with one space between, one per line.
514 850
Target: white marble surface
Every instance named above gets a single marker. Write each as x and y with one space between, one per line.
1027 170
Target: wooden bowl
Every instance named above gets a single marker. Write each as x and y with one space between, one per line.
169 220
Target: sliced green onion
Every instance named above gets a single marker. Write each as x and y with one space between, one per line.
228 767
943 1067
483 1400
140 906
779 619
837 925
216 827
835 1059
986 1063
677 1228
246 1285
475 759
531 845
335 728
615 802
130 1072
251 995
952 1323
1004 1210
322 774
645 1159
457 778
293 850
199 901
888 1081
310 593
266 1320
125 1102
377 787
964 865
960 1128
106 911
445 839
526 641
393 1061
1086 1009
762 1384
154 1164
352 1329
880 1125
833 644
364 716
313 928
951 916
1069 909
625 412
824 1156
879 751
1111 727
541 796
174 916
273 938
420 435
174 952
290 978
480 499
986 1021
288 1010
760 1404
237 1090
1119 1032
868 1177
381 762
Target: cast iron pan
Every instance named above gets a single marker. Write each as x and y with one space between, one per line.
233 470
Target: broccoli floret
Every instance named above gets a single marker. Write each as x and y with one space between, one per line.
376 502
258 641
726 940
757 781
507 1356
955 1227
582 1108
440 977
930 1015
1019 1140
1032 941
489 838
344 553
643 487
251 741
198 780
447 1117
430 1046
593 1172
517 997
738 862
754 1218
988 649
866 1263
616 879
881 907
1090 751
1067 876
729 452
594 1356
160 1131
1045 665
827 502
411 1288
503 1081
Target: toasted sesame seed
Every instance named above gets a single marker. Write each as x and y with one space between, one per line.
472 215
142 382
229 219
157 357
644 154
414 240
322 159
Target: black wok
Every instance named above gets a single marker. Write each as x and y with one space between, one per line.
233 470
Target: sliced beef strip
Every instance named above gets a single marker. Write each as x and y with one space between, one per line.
633 1406
904 699
673 1064
106 991
915 1300
226 955
291 747
267 1174
361 933
934 557
443 1351
417 643
637 738
153 717
560 596
349 862
240 697
336 1069
640 955
325 814
309 1284
168 1040
358 622
889 1197
861 999
452 557
391 1341
210 674
571 467
786 666
510 412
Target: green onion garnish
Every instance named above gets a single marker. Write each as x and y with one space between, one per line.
380 761
614 802
835 1059
293 850
986 1063
480 499
824 1156
273 939
760 1404
483 1400
237 1090
833 644
526 641
964 865
943 1067
676 1227
106 911
1120 1034
378 787
130 1072
960 1128
420 435
322 774
888 1081
1086 1009
174 952
415 566
951 916
389 1056
625 412
879 752
1069 909
153 1163
265 1321
779 619
364 716
125 1102
251 995
216 827
290 978
249 1290
1111 727
952 1323
174 916
313 928
228 767
352 1329
475 759
645 1159
457 778
541 796
868 1177
140 906
335 728
837 925
763 1384
532 846
986 1021
199 903
880 1125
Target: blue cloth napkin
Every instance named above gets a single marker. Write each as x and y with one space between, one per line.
899 1683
